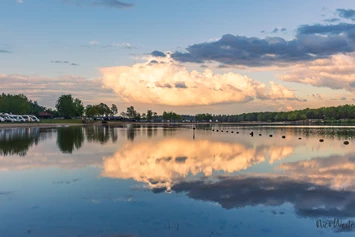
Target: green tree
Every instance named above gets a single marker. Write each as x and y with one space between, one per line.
103 109
155 116
91 111
149 115
131 112
16 104
123 114
78 108
114 109
144 116
68 107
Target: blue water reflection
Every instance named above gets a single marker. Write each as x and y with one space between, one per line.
173 181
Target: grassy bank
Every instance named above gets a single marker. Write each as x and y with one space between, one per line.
61 121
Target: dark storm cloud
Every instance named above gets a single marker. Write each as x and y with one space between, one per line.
253 51
104 3
346 13
326 29
311 42
187 57
309 200
157 53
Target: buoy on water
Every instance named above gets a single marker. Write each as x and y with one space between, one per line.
346 142
283 136
270 135
321 140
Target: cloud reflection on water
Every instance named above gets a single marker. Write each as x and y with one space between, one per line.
160 163
169 160
308 198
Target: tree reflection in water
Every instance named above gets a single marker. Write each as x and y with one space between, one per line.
69 139
17 141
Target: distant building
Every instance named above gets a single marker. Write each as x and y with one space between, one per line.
44 115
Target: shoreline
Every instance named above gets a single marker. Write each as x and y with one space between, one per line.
120 123
38 125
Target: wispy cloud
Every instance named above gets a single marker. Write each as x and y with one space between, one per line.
336 72
65 62
102 3
332 20
275 30
317 96
46 90
96 44
4 51
346 14
19 1
120 45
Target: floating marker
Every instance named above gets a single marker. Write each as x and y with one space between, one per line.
231 131
259 134
270 135
321 140
299 138
346 142
283 136
251 134
237 132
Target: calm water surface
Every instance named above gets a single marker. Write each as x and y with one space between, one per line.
154 181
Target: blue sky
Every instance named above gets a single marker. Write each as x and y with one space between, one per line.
76 39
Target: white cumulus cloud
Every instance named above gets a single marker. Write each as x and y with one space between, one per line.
163 81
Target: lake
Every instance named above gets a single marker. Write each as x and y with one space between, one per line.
127 181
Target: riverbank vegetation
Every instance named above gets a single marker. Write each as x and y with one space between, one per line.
68 107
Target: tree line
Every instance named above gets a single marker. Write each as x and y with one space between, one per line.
20 104
67 106
324 113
